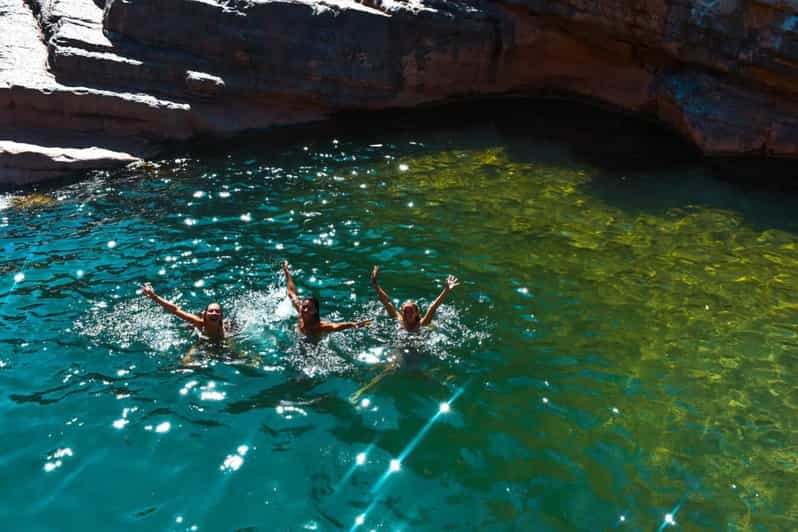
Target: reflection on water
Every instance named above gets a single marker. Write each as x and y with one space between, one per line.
621 351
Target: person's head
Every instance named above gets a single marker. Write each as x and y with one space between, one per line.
213 314
411 315
309 309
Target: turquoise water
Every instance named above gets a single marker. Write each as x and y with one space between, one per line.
622 347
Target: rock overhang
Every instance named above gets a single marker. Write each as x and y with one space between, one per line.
722 73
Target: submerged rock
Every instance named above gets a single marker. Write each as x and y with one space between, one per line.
722 72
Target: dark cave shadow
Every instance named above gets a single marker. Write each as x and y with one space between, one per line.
642 168
763 206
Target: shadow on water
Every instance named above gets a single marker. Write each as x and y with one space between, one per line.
602 138
638 166
761 207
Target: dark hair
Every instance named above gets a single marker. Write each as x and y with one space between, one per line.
221 311
315 304
415 306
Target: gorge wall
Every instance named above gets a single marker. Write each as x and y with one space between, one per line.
98 83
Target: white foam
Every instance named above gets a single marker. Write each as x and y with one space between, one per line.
133 321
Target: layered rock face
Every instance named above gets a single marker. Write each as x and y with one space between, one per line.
132 73
722 72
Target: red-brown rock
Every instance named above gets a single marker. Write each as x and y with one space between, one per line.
723 73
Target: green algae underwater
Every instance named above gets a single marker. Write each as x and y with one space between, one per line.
621 353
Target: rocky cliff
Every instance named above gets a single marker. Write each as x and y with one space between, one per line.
96 83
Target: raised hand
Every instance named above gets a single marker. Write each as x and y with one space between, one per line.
285 266
147 290
452 282
374 273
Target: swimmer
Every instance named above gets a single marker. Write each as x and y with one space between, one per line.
410 316
210 323
308 309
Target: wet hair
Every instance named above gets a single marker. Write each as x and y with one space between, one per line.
315 304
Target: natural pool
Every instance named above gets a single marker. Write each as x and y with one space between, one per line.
623 347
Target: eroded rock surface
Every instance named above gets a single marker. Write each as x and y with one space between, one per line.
723 73
24 161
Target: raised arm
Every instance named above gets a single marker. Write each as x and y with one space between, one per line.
386 302
327 326
170 307
291 287
451 283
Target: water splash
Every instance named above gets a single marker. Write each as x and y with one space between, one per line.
131 322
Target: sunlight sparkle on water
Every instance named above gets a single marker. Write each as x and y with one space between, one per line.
54 459
211 395
604 265
209 392
233 462
188 386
